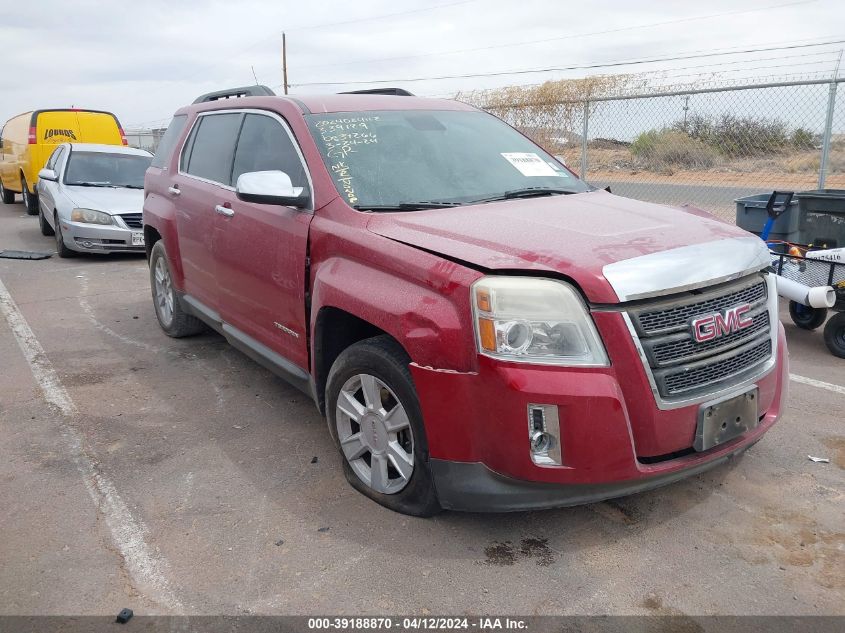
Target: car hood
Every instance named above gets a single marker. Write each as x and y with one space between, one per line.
109 199
615 248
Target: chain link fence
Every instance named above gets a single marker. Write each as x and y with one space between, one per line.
700 147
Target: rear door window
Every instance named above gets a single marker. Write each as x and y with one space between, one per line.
265 145
213 147
168 141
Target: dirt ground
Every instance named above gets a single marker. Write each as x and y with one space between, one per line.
796 171
179 477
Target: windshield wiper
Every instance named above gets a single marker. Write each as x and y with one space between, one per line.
406 206
89 184
527 192
132 186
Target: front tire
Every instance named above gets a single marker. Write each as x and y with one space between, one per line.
834 335
173 320
30 201
805 317
8 196
63 251
45 227
376 422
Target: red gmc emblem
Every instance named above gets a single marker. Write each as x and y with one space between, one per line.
712 326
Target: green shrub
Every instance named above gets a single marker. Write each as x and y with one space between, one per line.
667 149
803 138
738 136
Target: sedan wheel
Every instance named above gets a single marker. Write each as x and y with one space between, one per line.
61 248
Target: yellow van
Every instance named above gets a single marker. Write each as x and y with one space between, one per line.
29 138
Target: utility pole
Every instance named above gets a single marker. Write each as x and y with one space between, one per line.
284 62
686 109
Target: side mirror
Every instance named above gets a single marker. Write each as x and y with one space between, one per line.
47 174
270 187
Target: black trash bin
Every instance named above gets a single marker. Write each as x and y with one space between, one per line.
822 217
752 215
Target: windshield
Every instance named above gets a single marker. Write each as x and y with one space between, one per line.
389 159
98 169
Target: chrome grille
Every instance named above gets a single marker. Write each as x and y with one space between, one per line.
132 220
680 366
671 350
678 317
712 373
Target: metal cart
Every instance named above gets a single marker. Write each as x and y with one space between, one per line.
788 261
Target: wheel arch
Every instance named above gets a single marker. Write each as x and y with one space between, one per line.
335 330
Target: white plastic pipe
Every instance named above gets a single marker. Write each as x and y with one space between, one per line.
818 297
831 255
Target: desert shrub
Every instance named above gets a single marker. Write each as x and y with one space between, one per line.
802 163
802 138
667 149
738 136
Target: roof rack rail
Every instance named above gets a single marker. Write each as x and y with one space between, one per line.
396 92
232 93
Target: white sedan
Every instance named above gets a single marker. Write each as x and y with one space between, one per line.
90 197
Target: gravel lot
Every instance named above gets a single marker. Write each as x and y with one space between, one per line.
177 476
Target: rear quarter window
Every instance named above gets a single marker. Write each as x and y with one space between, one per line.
168 141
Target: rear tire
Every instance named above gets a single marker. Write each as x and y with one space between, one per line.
45 227
173 320
63 251
375 420
8 196
834 335
30 201
805 317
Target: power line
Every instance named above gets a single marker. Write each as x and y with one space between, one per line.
564 37
669 73
564 68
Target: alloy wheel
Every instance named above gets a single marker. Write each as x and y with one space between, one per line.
163 292
375 434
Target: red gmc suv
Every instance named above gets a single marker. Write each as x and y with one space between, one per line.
482 330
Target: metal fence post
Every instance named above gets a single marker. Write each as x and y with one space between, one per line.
584 131
828 129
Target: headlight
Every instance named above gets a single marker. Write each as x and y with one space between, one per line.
534 320
89 216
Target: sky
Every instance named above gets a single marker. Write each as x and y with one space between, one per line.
143 60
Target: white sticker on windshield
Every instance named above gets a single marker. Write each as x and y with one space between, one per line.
529 164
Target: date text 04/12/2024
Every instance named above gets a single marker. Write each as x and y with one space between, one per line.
417 623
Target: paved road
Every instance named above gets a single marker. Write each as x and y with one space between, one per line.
177 476
719 200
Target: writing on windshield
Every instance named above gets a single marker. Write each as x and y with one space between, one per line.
393 159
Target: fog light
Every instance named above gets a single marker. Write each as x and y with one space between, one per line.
541 442
544 434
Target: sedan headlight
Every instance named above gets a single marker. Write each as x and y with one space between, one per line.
90 216
540 321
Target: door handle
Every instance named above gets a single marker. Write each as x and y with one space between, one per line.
174 190
224 211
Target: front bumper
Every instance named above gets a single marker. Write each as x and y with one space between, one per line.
476 488
615 440
93 238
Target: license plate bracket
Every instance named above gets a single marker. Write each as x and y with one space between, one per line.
723 420
137 238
